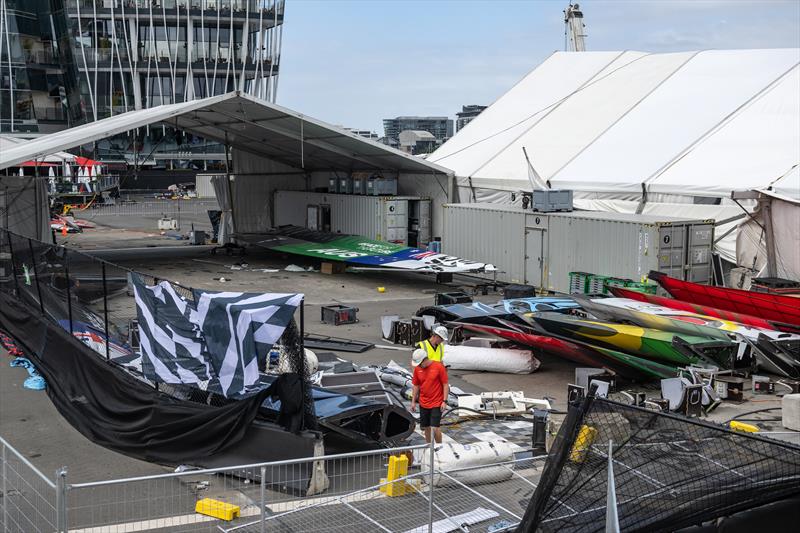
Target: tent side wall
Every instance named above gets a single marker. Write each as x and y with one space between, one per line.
24 207
256 179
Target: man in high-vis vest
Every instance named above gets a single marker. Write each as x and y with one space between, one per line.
434 347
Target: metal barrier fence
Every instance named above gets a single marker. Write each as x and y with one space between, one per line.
346 492
149 207
29 500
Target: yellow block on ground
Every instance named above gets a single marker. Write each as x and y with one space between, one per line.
217 509
398 469
741 426
585 439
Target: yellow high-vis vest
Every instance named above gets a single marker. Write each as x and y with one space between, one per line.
434 354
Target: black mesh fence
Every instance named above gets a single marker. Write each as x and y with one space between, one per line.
670 472
93 300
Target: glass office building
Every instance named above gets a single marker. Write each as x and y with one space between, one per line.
66 62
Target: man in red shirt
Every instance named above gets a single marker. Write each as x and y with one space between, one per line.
430 390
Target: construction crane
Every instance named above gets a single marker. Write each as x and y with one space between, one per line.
574 29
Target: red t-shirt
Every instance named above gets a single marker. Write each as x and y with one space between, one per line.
430 381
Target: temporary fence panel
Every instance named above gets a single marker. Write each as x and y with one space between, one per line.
30 500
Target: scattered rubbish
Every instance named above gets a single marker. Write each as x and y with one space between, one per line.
453 523
222 280
338 314
502 525
322 342
34 381
295 268
187 468
381 289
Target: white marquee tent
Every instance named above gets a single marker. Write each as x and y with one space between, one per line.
622 127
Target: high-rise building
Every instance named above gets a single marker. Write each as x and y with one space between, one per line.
440 127
468 112
66 62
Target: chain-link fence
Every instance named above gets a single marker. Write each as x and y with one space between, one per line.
148 207
669 471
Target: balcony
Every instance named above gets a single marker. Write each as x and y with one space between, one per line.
239 7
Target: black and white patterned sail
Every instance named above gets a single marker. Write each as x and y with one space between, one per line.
213 342
239 329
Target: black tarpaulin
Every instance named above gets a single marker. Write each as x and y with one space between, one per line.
115 410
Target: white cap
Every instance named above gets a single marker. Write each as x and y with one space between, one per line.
441 331
418 356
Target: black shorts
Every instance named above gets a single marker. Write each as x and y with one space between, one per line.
430 418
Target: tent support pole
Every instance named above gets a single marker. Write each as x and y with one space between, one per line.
105 311
766 216
69 294
303 324
228 182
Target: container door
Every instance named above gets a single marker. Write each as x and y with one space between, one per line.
396 216
312 217
671 250
534 256
701 241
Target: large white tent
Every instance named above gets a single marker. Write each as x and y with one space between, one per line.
682 124
632 131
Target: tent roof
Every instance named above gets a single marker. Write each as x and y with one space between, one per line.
8 141
688 123
250 125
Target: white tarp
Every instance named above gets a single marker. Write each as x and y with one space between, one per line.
691 123
750 246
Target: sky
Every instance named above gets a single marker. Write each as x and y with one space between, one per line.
356 62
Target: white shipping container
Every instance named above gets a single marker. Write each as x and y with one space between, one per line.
541 249
382 218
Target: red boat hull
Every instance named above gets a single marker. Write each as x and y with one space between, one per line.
774 307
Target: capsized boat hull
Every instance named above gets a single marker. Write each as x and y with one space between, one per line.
773 307
626 365
635 340
775 351
672 303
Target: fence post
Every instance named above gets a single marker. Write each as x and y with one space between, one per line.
13 262
430 484
61 500
36 276
105 311
5 489
69 292
263 528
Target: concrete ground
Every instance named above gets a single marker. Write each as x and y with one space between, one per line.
31 424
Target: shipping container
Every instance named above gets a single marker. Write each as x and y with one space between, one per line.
541 249
487 232
398 219
203 186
